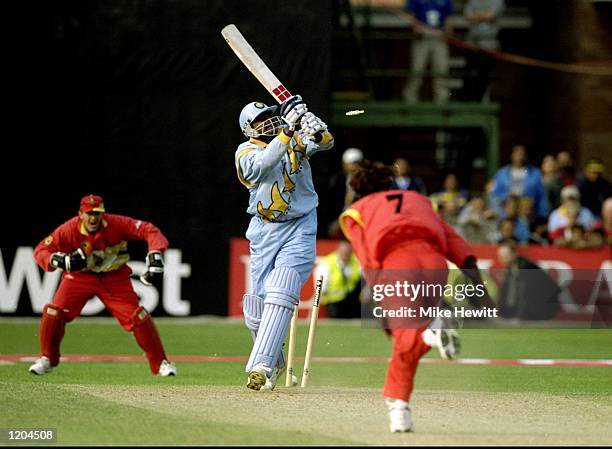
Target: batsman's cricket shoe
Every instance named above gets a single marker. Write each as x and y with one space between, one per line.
167 369
400 419
258 376
41 366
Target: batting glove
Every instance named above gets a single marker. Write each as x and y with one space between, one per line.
311 125
155 266
292 109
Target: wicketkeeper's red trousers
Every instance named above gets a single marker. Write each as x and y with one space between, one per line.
113 288
116 292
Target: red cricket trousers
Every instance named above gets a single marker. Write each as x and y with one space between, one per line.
418 262
113 288
116 292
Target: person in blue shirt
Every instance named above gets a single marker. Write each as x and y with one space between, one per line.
521 179
429 24
520 224
404 178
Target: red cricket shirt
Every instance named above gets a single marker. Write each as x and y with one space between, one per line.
377 223
106 249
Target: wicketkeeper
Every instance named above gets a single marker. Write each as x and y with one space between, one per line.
91 250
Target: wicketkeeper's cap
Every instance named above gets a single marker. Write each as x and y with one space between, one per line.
92 203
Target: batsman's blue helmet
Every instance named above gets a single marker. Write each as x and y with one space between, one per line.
269 127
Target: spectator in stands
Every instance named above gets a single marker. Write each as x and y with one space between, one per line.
404 179
551 178
566 167
527 291
539 232
451 192
561 217
340 189
593 187
491 204
341 282
476 223
525 210
521 179
573 235
520 225
449 212
483 22
606 221
581 239
429 24
568 234
505 230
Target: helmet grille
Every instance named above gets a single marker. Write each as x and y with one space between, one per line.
269 127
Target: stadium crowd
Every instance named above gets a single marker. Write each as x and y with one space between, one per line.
556 204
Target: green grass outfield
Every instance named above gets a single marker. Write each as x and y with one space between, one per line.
121 403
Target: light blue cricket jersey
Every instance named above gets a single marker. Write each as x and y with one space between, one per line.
278 176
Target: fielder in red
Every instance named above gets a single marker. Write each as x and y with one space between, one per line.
393 230
91 250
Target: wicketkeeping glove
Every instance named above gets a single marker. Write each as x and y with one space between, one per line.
292 109
312 125
155 267
75 261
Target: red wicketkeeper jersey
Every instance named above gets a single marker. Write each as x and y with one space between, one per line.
106 249
377 223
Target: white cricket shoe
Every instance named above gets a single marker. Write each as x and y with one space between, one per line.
167 369
400 419
448 342
442 334
258 376
41 366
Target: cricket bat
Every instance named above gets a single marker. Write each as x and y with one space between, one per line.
254 63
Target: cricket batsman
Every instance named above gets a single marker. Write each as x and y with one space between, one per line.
274 165
398 230
91 251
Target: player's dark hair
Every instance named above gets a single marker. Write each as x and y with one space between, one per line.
371 177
